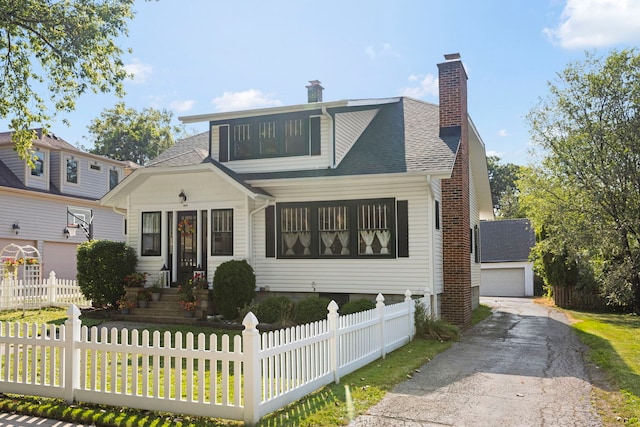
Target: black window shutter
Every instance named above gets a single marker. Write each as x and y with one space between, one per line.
314 131
403 228
223 143
270 232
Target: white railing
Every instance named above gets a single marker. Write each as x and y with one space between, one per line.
240 378
26 294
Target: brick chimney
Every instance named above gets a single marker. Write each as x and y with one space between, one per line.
314 91
456 299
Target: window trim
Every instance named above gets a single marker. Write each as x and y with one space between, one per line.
354 238
214 232
68 159
43 158
111 170
157 251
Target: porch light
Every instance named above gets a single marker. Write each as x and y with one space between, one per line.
16 227
182 196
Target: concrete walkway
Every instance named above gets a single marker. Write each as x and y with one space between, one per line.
17 420
521 367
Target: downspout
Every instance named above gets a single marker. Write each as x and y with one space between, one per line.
431 288
332 144
250 254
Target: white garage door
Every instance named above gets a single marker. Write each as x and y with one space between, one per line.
502 282
61 258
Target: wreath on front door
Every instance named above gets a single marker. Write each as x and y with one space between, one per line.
185 227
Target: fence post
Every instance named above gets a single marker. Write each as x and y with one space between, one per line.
411 308
51 287
252 372
71 354
380 313
334 343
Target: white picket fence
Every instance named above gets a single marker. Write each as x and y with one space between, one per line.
240 378
26 294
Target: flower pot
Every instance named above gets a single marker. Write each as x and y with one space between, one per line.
188 314
143 303
155 296
125 310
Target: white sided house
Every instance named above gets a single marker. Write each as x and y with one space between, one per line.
342 199
45 206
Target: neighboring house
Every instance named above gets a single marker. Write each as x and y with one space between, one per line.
342 199
505 247
37 205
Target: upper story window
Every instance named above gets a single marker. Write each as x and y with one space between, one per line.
38 160
114 178
270 136
72 170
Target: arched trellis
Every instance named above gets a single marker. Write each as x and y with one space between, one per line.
20 263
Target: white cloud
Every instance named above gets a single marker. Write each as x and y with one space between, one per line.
426 85
493 153
182 106
384 49
246 100
138 70
503 133
596 23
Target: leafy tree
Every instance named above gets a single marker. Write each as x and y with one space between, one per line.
123 133
68 46
504 191
586 192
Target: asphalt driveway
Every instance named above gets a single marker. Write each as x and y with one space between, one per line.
523 366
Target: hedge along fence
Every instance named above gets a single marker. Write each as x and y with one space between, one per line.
243 378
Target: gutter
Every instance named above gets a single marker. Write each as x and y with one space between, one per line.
250 253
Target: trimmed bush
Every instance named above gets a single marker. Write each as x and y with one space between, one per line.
310 310
278 310
234 286
356 306
102 266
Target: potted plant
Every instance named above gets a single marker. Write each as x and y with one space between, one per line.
143 298
125 305
135 280
188 298
155 290
189 307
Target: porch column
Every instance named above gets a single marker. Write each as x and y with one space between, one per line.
164 238
174 261
199 239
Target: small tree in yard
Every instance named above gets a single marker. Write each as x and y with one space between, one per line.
102 266
234 286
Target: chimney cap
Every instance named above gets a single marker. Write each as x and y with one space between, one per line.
452 56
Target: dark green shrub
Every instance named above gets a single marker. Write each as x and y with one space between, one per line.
234 286
310 310
275 310
102 266
356 306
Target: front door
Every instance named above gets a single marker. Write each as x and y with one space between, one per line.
187 245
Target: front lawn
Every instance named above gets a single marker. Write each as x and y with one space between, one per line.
614 347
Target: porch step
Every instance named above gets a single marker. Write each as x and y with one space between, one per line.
166 310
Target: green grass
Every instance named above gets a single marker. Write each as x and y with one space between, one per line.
614 346
333 405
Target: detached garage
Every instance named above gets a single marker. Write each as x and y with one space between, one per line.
505 246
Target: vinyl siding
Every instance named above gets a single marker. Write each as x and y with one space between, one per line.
389 276
13 162
348 128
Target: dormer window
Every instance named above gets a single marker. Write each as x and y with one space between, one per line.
72 170
270 136
38 160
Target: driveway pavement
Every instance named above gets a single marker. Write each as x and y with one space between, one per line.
523 366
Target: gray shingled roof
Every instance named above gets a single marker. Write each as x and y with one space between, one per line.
187 151
508 240
403 137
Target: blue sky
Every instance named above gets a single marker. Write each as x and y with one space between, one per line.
200 56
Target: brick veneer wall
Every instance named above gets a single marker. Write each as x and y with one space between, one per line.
456 299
